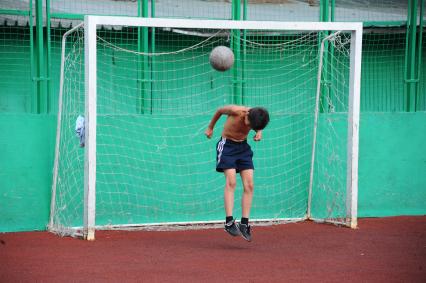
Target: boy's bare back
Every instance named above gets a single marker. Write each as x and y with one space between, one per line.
237 125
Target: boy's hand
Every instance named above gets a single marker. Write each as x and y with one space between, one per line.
258 136
209 133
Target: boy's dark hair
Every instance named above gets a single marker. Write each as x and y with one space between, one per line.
258 118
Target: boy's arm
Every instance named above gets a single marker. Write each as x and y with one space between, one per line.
227 110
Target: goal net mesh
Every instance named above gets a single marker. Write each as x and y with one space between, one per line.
156 93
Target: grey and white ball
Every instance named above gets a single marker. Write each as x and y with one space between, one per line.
221 58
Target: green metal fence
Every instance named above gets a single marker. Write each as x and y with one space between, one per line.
393 70
17 90
421 103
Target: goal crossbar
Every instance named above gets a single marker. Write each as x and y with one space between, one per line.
223 24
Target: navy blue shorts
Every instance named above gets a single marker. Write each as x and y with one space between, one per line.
233 155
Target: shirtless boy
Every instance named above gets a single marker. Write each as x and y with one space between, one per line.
234 155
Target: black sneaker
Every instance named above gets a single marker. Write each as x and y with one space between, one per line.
245 231
232 228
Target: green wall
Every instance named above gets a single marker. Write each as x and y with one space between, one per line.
392 152
392 166
26 159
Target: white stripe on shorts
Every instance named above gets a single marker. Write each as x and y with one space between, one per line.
220 149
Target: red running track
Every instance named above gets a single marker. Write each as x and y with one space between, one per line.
381 250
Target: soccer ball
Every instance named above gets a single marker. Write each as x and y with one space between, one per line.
221 58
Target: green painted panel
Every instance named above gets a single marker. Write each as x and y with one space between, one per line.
26 150
392 165
391 169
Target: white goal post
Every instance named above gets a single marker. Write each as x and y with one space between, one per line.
93 23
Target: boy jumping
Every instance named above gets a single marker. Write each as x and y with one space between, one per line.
234 155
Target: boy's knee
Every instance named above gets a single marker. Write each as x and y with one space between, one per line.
249 186
231 184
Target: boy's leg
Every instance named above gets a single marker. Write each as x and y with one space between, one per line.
231 182
230 226
247 178
244 227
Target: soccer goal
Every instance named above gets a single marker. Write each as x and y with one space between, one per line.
146 92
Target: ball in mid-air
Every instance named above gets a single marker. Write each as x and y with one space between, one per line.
221 58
